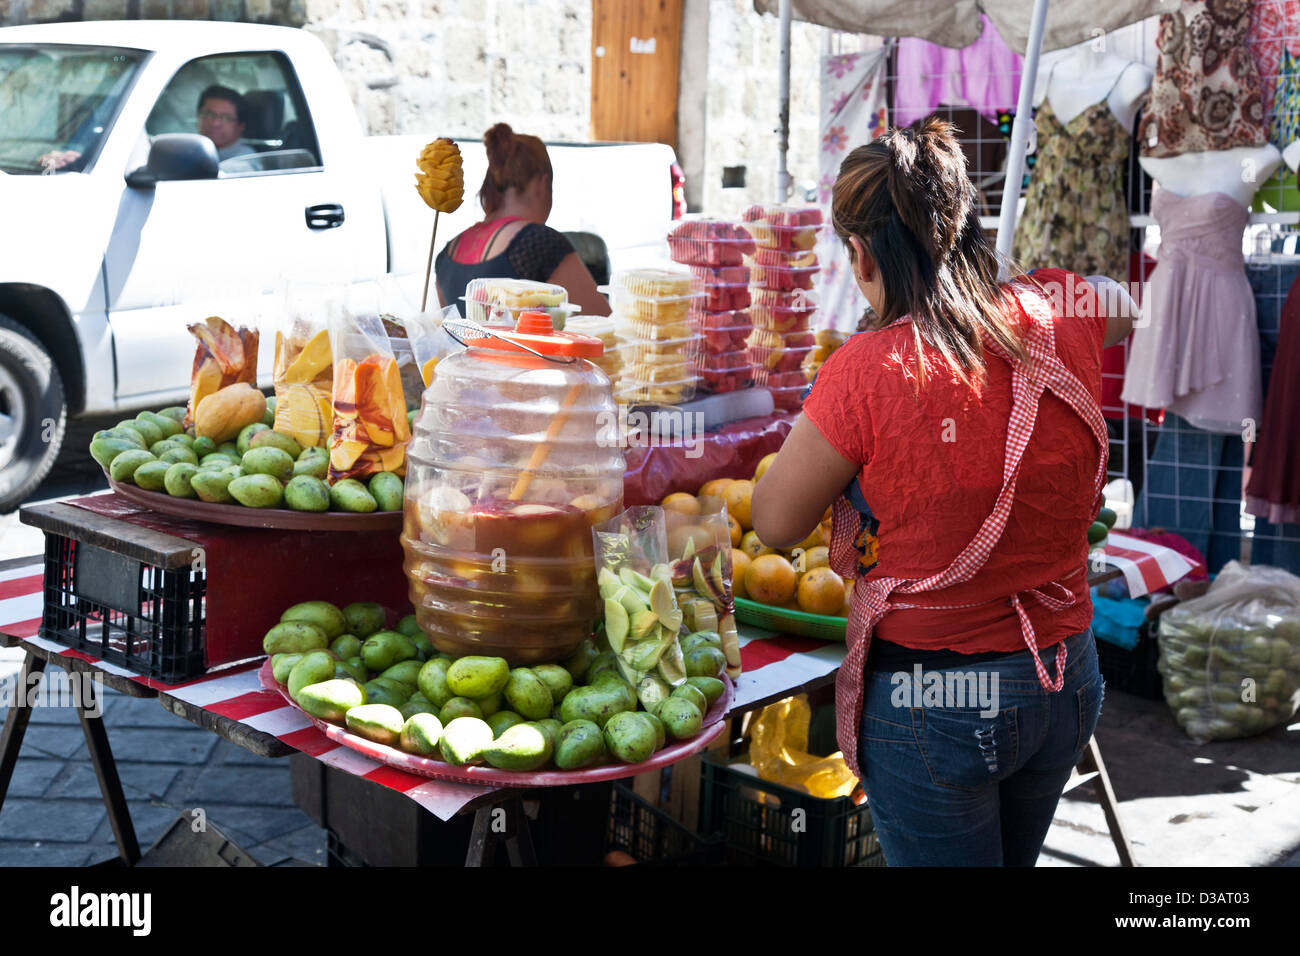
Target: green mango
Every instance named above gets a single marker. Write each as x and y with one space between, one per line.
630 737
125 464
206 446
268 438
331 699
596 704
581 660
151 475
604 661
526 694
104 450
681 717
213 486
694 640
476 676
268 419
705 661
167 425
502 721
408 672
409 626
556 679
256 491
491 703
416 704
520 748
282 664
315 667
218 459
433 682
174 452
322 614
614 683
459 707
178 478
351 668
423 646
464 740
551 727
246 435
351 495
381 723
364 617
580 744
387 490
305 493
183 439
311 466
294 637
228 448
147 430
125 434
384 691
694 695
421 734
267 461
711 687
175 412
346 645
383 649
661 732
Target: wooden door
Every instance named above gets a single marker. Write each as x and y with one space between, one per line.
635 57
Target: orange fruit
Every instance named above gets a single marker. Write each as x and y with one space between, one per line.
714 488
821 591
770 579
678 537
681 502
736 532
750 544
737 496
816 557
763 466
740 563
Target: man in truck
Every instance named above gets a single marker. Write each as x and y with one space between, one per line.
222 114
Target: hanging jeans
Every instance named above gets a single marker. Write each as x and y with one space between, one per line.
949 787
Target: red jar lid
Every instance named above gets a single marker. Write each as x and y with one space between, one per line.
533 330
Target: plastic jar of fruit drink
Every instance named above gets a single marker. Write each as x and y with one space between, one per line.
515 456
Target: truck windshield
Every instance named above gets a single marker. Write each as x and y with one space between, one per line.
57 103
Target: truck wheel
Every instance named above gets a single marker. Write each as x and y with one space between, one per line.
32 414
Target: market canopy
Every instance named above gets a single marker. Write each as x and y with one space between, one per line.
956 23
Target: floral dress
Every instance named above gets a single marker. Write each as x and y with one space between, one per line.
1075 216
1206 94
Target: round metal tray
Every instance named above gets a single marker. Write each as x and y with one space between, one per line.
491 776
243 517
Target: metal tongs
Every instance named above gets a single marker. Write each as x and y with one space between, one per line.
464 331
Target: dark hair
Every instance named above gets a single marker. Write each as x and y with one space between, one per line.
230 96
906 195
514 160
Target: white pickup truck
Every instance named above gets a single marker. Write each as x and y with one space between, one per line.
106 259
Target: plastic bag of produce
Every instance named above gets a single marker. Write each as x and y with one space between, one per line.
1231 658
642 619
222 356
700 548
304 366
429 343
370 426
778 750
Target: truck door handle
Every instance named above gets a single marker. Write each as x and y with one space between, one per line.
325 216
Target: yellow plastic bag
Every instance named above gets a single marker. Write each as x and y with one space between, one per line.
778 750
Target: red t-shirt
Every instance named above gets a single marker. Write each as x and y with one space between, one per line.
932 469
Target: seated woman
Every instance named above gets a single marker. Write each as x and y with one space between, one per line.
512 241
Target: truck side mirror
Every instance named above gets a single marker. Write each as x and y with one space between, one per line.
174 156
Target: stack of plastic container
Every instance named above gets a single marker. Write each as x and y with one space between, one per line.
603 327
715 250
657 344
782 269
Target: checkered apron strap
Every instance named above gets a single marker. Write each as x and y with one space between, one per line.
871 597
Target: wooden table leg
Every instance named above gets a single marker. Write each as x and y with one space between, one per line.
511 827
20 712
1091 763
101 756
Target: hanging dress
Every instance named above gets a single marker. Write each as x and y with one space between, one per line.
1076 216
1195 350
1273 491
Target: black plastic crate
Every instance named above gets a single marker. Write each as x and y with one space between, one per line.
1132 671
123 610
654 838
766 823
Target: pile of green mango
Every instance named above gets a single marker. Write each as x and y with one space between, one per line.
393 687
262 468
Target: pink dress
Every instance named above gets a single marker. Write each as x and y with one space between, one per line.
1195 351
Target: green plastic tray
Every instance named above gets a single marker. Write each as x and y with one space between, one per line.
782 621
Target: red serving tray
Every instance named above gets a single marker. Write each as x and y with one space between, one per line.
714 723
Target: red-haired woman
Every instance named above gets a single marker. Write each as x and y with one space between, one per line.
513 240
969 420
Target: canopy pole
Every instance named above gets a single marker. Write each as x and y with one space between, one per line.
783 131
1019 137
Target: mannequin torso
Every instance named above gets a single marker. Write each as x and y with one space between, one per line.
1237 172
1087 77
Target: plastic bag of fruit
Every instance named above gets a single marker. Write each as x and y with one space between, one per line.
1231 658
370 424
642 619
699 546
304 367
430 344
778 750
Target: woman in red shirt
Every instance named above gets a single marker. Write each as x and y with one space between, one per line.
970 421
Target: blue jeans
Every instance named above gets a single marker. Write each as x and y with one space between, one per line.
949 787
